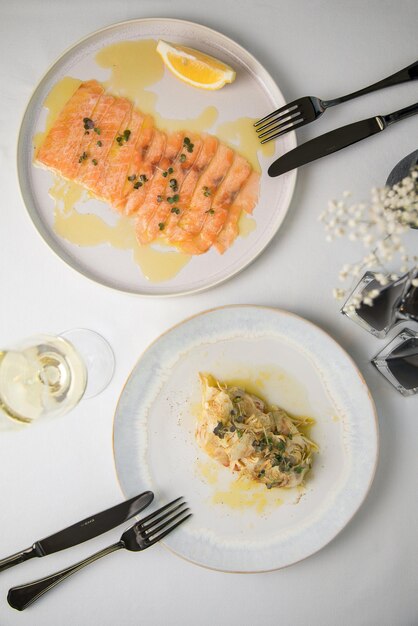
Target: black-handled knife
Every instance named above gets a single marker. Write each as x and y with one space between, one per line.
82 531
337 139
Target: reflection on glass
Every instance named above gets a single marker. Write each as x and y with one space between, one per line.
398 362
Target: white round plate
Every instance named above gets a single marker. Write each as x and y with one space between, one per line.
253 94
298 367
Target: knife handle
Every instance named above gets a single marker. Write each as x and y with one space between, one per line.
402 114
17 558
402 76
24 595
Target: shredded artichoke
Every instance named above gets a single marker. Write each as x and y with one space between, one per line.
264 443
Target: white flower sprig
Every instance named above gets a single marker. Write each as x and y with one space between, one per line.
380 227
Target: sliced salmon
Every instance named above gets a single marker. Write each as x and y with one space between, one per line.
90 136
194 217
157 188
245 201
59 149
118 161
207 152
187 188
224 198
141 147
170 200
146 170
114 123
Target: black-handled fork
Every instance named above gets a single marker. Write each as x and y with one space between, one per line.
308 109
139 537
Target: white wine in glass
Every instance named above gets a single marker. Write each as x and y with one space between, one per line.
48 375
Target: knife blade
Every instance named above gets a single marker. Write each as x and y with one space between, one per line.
82 531
327 144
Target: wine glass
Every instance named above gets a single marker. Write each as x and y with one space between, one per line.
47 375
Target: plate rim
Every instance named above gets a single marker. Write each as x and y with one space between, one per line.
29 205
280 311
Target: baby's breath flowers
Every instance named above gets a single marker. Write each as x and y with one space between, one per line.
379 227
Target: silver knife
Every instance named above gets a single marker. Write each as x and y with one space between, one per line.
82 531
337 139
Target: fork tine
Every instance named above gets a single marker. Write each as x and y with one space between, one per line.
167 522
288 122
158 511
166 532
286 115
160 518
284 131
277 112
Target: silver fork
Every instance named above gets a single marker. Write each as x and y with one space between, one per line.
140 536
305 110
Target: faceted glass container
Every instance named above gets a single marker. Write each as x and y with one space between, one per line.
398 362
397 301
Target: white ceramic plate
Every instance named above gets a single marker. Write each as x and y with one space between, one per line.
299 367
253 94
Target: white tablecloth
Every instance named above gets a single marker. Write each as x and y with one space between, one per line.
61 471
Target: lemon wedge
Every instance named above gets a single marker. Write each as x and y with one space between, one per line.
194 67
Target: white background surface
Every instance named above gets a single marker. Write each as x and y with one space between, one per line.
59 472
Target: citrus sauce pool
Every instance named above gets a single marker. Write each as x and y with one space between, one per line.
134 67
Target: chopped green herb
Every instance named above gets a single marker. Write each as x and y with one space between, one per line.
94 161
175 210
97 130
182 158
161 225
206 191
99 143
170 170
83 157
299 469
119 139
132 177
281 445
173 184
87 132
210 211
186 141
165 174
172 199
137 185
190 147
126 134
143 178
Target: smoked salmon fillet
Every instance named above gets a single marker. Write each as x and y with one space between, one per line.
186 188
